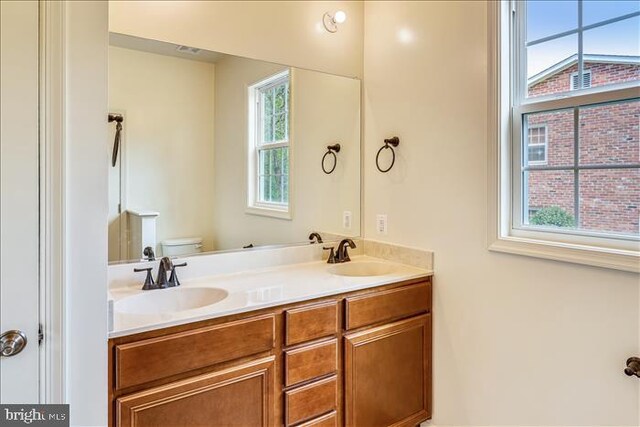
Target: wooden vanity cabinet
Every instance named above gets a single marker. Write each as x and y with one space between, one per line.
357 359
239 396
387 373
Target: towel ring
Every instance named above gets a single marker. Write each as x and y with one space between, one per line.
388 144
331 149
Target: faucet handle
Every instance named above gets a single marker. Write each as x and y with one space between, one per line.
148 281
173 279
332 256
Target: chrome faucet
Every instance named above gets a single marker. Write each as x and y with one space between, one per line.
166 266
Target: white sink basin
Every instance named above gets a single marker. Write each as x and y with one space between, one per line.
169 300
368 268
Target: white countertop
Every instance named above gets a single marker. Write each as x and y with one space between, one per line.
256 289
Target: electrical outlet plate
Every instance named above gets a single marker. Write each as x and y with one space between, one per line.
381 223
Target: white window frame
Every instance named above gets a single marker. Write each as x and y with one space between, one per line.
574 77
254 144
545 144
506 107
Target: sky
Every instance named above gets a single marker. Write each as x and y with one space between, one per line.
547 17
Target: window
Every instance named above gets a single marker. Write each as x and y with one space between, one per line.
568 156
586 80
537 144
269 147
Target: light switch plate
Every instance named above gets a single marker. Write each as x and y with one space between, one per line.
381 223
346 220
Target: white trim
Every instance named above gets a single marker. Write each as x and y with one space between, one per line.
86 45
578 254
52 201
255 145
500 158
267 211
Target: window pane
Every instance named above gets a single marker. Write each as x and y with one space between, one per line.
274 175
545 18
280 94
277 161
549 198
267 115
266 167
276 195
285 160
265 193
550 64
610 133
550 139
280 128
597 11
609 200
285 188
611 52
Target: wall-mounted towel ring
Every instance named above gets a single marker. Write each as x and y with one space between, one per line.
331 149
388 145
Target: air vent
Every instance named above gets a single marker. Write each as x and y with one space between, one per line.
188 49
586 80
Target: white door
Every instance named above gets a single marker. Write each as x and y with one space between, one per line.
19 205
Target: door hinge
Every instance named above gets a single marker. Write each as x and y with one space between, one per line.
40 334
119 208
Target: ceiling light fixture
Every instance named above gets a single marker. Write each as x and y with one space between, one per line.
331 21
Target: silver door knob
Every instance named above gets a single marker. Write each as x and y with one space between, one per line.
12 343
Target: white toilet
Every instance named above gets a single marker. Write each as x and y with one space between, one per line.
181 246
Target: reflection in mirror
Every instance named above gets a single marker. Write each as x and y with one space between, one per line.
218 152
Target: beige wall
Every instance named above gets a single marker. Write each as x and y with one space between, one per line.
325 111
517 340
287 32
168 105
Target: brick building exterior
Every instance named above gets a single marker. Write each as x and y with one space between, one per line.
609 134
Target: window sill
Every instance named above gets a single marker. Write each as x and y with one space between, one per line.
615 259
268 212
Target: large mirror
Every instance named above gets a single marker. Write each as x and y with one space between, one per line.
211 152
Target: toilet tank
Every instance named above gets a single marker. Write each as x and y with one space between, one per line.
182 246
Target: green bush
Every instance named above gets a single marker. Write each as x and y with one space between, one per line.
552 215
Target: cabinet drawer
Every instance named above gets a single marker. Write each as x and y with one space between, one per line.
311 322
312 400
329 420
152 359
238 396
392 304
310 362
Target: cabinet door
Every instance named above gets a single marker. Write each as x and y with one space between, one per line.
238 396
388 374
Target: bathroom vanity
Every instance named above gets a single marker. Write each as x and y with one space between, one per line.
360 355
262 333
